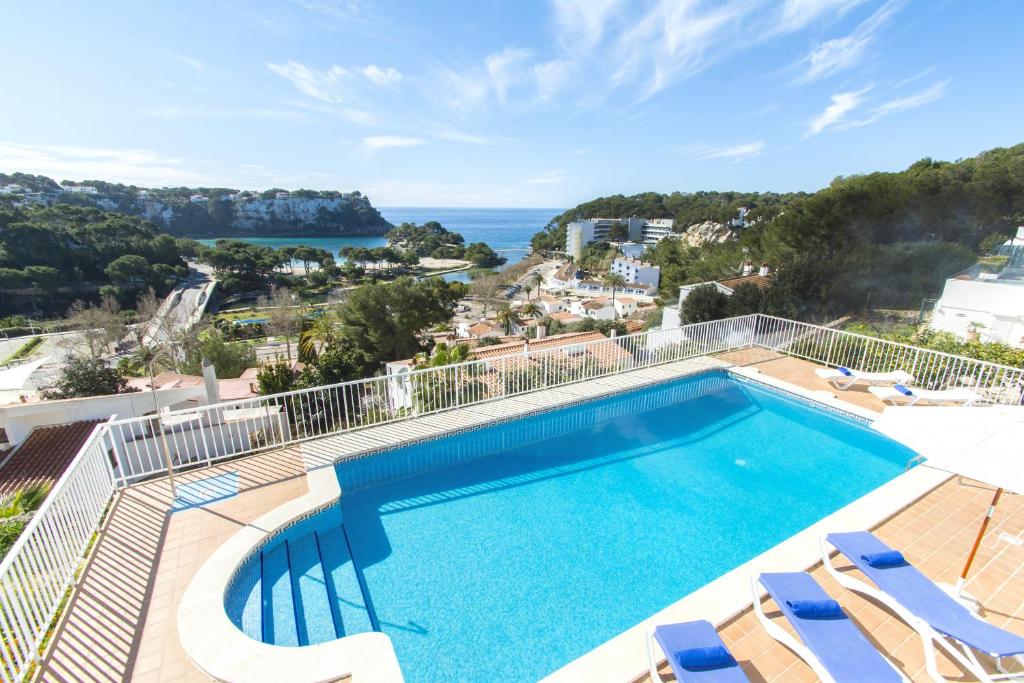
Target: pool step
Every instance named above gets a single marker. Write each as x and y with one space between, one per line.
347 603
309 591
278 605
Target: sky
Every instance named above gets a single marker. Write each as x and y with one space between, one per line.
509 104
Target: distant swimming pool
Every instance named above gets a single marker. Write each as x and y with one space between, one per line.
505 552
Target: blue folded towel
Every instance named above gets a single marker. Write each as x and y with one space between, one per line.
903 390
697 657
815 609
844 371
884 558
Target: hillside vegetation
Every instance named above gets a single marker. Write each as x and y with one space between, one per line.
217 211
880 239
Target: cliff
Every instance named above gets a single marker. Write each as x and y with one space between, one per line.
215 212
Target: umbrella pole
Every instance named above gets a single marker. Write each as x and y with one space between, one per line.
981 533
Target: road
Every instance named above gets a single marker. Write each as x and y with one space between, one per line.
181 309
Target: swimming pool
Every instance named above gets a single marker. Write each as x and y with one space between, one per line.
503 553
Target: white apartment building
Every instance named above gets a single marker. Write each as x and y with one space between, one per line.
11 188
657 229
81 189
634 272
579 234
983 305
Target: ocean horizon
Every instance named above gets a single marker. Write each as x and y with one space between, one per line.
506 230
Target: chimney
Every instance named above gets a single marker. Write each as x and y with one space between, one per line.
210 380
541 332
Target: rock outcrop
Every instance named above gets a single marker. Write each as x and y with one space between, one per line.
708 232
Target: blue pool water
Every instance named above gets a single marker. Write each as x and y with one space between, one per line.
504 553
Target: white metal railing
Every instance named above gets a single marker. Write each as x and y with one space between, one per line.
40 567
143 446
931 369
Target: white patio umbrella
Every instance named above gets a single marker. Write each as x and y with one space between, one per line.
981 443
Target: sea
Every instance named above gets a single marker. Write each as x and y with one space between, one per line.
507 231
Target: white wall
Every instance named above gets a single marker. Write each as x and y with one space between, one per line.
20 419
999 306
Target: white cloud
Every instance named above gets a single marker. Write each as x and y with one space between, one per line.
671 42
840 54
194 63
548 178
132 166
468 138
384 77
581 23
377 142
796 14
171 112
930 94
835 114
321 85
736 153
506 69
337 9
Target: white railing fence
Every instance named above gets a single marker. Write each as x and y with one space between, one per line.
144 446
931 369
40 567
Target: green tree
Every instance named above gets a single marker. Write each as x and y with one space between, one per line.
615 281
81 377
275 377
507 317
746 298
45 277
230 359
704 303
383 322
130 271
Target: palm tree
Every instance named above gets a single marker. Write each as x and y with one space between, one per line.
531 310
537 280
615 281
321 334
507 317
528 289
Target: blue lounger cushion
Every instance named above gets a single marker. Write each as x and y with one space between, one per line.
905 584
696 641
844 371
704 657
885 558
816 609
837 642
903 390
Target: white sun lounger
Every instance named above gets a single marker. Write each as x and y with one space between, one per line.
910 396
843 379
939 620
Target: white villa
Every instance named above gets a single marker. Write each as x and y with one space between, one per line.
598 309
983 305
80 189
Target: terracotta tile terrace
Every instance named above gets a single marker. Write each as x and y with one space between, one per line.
120 624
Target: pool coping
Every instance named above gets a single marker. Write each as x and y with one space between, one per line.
220 649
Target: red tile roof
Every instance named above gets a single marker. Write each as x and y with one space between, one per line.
762 281
44 455
554 340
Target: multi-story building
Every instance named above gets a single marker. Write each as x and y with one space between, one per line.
634 272
647 230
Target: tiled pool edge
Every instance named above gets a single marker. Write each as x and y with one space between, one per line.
221 650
